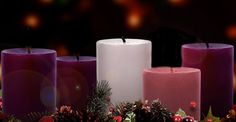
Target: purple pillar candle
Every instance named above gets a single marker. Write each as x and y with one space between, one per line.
216 65
28 81
76 79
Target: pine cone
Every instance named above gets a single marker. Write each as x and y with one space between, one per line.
160 113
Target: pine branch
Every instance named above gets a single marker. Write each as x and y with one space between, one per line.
99 101
36 116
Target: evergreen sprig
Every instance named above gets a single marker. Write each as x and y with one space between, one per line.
36 116
98 102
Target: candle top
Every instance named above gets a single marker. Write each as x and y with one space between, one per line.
119 41
24 51
74 59
200 46
170 70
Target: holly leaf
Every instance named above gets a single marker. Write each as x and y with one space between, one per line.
181 112
211 117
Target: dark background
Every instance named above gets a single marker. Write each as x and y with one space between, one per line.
73 26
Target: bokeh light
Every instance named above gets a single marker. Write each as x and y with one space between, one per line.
135 12
32 20
45 2
231 32
179 3
84 5
62 50
134 20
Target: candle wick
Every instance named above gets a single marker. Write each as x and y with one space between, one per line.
123 39
28 50
77 57
207 44
171 69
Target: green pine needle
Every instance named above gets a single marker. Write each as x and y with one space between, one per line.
99 101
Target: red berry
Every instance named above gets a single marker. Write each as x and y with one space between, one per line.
193 104
177 118
209 120
117 118
188 119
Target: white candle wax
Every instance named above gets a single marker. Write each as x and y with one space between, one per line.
122 64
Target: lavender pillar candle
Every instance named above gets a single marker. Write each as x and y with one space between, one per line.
216 65
76 79
28 81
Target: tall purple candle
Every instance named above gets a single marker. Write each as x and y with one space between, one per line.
28 81
76 79
216 65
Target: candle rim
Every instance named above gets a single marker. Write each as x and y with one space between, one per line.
23 51
73 59
119 41
201 46
176 70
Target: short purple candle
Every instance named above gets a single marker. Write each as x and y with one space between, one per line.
76 80
28 81
216 65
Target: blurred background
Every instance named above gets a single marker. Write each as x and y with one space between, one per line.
73 26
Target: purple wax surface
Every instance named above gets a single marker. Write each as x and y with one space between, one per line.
216 64
76 80
28 81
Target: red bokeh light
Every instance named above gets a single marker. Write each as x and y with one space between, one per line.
32 20
179 3
62 50
134 19
231 32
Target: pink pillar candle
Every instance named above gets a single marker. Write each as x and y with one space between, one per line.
28 81
216 65
175 87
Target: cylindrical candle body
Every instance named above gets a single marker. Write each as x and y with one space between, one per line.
175 87
76 80
216 65
122 65
29 81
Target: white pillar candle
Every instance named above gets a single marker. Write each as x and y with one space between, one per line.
122 64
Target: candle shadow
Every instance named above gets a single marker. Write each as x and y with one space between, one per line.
166 46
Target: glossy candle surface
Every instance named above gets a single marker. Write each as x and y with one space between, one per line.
176 88
76 80
216 65
28 81
122 63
